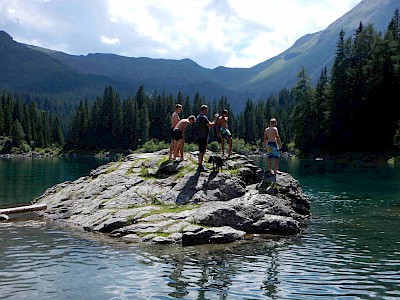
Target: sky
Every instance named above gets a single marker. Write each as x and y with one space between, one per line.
230 33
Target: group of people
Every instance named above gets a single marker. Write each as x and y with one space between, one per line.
272 141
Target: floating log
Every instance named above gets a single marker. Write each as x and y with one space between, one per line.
22 209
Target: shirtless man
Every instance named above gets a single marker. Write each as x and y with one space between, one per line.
174 121
223 131
178 135
271 136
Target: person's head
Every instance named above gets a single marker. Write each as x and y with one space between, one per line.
273 122
178 108
204 109
192 119
224 112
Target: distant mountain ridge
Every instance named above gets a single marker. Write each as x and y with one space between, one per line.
31 68
316 51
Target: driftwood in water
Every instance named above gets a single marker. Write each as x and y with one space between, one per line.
4 217
22 209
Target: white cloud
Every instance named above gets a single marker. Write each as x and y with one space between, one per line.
18 12
232 33
241 33
109 41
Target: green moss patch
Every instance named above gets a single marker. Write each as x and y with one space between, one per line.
164 209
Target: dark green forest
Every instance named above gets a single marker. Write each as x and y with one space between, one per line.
23 127
352 108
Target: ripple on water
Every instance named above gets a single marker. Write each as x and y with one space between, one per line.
328 261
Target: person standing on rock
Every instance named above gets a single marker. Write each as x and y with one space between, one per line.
178 135
223 131
174 121
203 130
271 136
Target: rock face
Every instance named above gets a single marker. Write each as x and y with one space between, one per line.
147 198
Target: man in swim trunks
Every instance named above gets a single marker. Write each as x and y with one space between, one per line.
178 135
223 131
174 121
271 136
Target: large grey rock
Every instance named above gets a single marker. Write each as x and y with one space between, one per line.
213 235
146 198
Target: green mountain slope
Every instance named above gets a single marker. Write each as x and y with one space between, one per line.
19 65
26 70
169 75
315 51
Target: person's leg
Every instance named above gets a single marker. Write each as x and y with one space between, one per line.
201 156
276 166
181 146
171 149
230 146
176 149
202 150
269 164
223 145
171 144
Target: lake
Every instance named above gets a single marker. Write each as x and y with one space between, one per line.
350 250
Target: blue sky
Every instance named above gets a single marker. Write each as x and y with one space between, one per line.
231 33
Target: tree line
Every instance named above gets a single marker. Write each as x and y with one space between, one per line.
112 123
355 108
24 126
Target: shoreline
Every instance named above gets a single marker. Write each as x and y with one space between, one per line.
392 156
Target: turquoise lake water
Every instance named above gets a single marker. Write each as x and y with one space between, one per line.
350 250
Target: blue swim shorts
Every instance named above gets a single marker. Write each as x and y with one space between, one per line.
225 133
272 150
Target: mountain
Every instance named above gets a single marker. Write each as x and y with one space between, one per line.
33 69
155 74
26 70
315 51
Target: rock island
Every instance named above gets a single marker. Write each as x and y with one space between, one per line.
147 198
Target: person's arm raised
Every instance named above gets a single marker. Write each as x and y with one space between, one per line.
211 124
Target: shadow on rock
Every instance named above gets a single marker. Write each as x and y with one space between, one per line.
189 189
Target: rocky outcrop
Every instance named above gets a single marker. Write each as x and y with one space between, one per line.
147 198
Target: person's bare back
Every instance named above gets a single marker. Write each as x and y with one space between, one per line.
272 138
182 124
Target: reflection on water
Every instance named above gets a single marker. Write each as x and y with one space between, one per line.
350 250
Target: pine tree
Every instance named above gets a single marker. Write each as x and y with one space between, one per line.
321 109
197 103
18 134
8 109
1 119
339 100
304 115
33 123
249 123
58 135
144 124
391 77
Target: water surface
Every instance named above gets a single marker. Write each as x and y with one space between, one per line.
350 250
